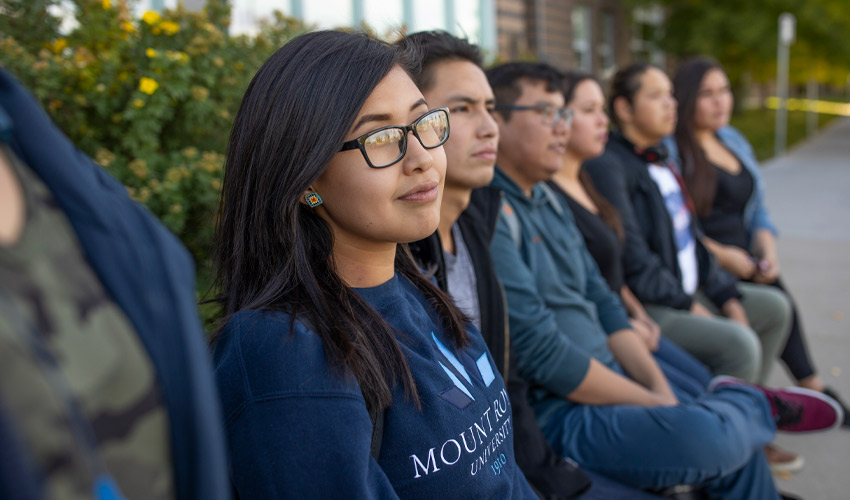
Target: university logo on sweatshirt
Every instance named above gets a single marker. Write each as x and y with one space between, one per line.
459 393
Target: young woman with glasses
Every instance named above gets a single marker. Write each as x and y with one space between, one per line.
343 371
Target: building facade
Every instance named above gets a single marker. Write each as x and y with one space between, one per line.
592 35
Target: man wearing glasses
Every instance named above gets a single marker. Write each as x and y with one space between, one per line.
599 395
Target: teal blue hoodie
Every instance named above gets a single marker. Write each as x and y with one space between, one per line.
560 308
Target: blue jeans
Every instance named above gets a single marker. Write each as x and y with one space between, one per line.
608 489
714 440
683 370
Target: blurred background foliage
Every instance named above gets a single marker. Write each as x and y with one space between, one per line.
151 99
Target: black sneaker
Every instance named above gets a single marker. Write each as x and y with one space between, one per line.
831 393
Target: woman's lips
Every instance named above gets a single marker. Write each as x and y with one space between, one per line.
427 191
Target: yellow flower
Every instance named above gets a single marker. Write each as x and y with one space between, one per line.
156 30
199 93
104 157
169 27
139 167
173 175
128 27
106 4
218 62
148 85
151 53
59 45
150 17
138 103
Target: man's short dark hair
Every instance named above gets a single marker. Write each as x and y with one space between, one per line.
431 47
505 80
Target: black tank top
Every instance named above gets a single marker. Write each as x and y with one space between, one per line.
725 223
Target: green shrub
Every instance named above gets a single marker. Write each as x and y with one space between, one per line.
150 99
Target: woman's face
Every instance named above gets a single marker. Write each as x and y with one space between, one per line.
396 204
653 106
714 101
590 123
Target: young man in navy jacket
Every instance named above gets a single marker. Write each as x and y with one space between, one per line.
106 387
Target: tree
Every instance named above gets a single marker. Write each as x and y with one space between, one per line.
743 36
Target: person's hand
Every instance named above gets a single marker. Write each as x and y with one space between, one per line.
739 262
648 331
768 270
698 309
733 310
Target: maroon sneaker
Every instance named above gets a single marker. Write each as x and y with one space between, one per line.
795 409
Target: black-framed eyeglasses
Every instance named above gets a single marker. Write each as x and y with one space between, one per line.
551 115
387 145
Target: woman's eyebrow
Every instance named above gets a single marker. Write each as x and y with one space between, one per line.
377 117
418 103
383 117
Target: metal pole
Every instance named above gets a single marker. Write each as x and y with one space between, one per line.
786 38
811 113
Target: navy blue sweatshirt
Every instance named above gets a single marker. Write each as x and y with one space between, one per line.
299 429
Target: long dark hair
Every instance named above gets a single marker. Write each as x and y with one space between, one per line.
273 252
610 216
700 177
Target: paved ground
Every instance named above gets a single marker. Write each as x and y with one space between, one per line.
808 195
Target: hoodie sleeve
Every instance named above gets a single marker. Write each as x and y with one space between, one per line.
544 355
294 430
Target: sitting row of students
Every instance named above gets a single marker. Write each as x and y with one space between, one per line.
343 370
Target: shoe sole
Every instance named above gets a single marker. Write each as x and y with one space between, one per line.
790 467
723 379
839 412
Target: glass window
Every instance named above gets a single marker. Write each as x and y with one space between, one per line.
580 19
468 20
429 16
384 16
607 47
246 14
329 13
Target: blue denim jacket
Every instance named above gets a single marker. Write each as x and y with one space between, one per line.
755 212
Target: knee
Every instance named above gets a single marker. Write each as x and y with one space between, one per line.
742 352
777 307
709 446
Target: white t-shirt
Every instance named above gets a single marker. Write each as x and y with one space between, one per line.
681 217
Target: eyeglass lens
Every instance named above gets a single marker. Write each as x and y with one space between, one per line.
385 147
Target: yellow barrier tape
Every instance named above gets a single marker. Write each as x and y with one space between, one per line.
825 107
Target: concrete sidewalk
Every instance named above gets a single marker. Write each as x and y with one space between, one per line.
808 195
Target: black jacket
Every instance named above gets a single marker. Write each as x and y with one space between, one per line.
650 256
551 476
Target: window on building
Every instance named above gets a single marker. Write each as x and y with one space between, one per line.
429 15
384 16
329 13
246 14
581 26
608 43
647 28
